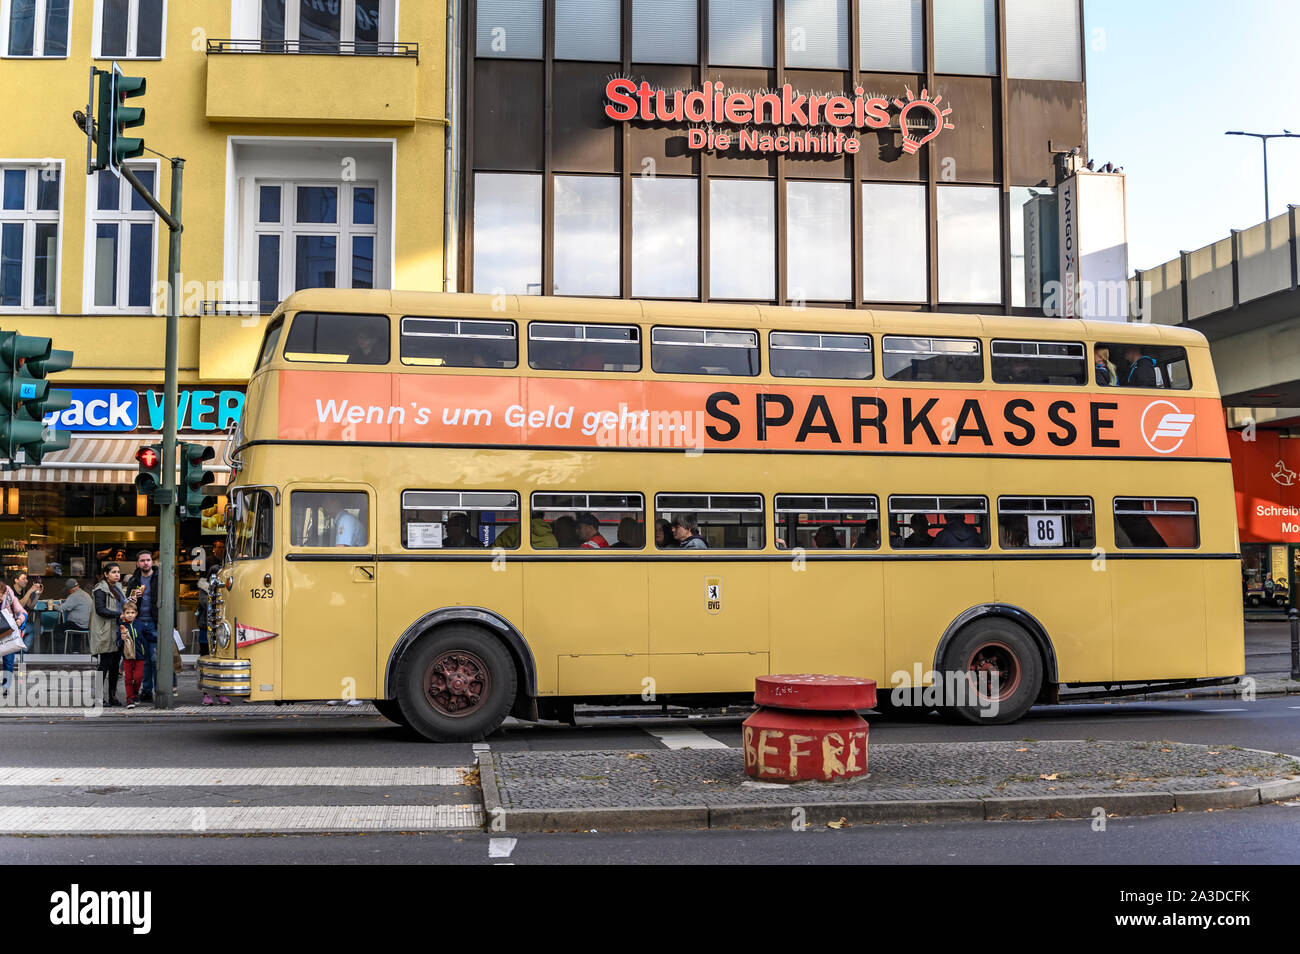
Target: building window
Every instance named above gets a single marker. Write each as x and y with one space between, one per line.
970 240
121 233
309 26
34 27
819 239
29 236
894 252
665 31
130 29
1034 246
742 239
1043 40
587 235
588 30
890 36
507 233
665 237
741 33
817 34
509 28
965 37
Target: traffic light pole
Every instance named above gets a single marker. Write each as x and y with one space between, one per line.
167 497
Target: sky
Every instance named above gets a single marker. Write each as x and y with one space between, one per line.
1166 79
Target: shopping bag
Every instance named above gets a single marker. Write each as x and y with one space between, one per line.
12 642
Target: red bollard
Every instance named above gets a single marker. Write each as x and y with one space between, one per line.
807 728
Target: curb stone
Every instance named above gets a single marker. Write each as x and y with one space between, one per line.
1079 806
487 776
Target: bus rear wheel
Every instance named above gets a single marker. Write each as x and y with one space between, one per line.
1001 673
456 685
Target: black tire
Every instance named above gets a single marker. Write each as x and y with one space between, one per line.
390 710
457 684
994 645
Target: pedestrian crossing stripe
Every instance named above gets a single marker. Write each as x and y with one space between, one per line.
254 819
341 776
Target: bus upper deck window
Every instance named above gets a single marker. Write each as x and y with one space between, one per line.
721 521
338 339
1156 523
704 351
1046 522
1129 365
1039 362
924 522
556 346
827 522
812 355
932 359
459 343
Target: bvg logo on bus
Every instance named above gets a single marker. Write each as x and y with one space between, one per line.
1163 422
713 595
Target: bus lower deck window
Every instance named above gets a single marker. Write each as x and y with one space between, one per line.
329 518
827 522
921 522
1156 523
459 343
460 520
1046 523
554 346
593 521
710 521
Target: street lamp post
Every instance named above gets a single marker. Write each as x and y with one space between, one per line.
1264 138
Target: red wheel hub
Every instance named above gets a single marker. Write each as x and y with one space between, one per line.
457 683
999 660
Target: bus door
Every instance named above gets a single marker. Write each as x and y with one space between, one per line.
329 600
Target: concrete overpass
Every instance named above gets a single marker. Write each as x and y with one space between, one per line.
1243 294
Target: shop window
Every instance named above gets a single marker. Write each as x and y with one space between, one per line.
34 27
703 351
130 29
509 28
894 250
965 37
1034 244
1057 363
1156 522
802 354
819 239
817 34
554 346
827 522
122 242
970 242
329 519
30 217
891 36
924 523
593 521
588 235
742 32
588 30
1043 40
742 239
665 31
1142 366
956 360
723 521
1049 523
665 237
459 520
459 343
507 234
338 339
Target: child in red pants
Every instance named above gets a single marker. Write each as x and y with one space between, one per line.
133 654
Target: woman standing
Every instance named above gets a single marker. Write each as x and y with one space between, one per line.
10 602
28 593
109 600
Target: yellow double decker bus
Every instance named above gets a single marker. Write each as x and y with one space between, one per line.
465 507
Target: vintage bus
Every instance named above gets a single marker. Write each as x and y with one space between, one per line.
466 507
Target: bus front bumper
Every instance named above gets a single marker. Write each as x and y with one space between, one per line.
229 677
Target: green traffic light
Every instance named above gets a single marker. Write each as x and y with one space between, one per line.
195 478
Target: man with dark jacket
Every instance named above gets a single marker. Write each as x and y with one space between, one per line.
958 534
142 587
1141 369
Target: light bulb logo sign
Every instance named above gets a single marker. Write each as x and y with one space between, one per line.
781 120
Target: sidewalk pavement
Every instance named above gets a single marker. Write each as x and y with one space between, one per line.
912 782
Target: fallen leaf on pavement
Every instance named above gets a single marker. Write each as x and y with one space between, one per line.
634 755
1049 778
842 823
1022 750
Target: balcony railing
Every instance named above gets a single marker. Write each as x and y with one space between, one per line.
317 47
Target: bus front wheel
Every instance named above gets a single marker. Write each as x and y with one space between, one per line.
457 684
1000 671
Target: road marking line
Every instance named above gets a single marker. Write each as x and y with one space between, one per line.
346 776
686 739
501 847
257 818
1223 710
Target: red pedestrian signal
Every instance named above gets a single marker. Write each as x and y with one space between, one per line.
149 457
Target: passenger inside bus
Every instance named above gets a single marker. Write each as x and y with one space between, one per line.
958 534
565 529
920 536
869 537
826 538
630 535
458 532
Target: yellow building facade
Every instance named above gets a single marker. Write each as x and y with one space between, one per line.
314 134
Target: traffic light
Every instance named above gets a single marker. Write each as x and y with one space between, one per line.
26 398
149 457
194 497
112 148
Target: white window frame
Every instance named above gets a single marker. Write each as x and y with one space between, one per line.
30 217
124 216
246 20
132 34
38 35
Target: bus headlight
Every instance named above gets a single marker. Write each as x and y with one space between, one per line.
222 634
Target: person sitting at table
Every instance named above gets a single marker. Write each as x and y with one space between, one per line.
76 609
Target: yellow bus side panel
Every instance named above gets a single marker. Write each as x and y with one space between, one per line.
329 630
682 620
265 660
925 597
707 672
1072 602
1225 649
1159 613
827 617
623 675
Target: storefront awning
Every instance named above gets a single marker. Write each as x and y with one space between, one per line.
104 460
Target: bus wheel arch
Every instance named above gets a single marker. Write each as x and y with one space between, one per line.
1008 641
